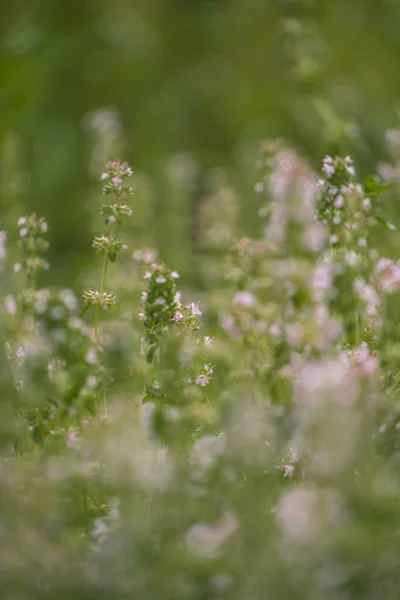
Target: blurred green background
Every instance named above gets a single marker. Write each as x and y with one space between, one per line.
181 84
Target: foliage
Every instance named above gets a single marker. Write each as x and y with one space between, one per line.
209 407
143 457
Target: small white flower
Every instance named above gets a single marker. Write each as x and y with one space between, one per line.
160 279
367 204
195 309
91 382
104 176
177 317
334 239
20 353
352 258
175 275
100 530
10 305
329 170
159 302
202 380
244 299
338 203
91 356
288 470
351 171
69 299
116 180
72 438
17 268
23 232
21 221
147 275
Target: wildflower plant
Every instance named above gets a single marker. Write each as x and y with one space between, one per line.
162 308
114 176
33 246
268 445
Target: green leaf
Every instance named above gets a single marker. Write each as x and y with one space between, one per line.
384 187
150 354
386 222
114 307
85 309
370 184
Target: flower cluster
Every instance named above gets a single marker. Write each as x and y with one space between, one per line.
115 212
54 361
114 176
161 304
108 245
387 275
362 360
33 245
295 433
104 301
205 375
348 208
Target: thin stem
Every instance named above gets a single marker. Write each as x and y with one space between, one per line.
357 327
206 399
97 309
102 286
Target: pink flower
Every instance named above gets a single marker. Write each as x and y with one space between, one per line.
228 324
177 317
244 299
388 275
159 302
288 470
195 309
202 380
294 334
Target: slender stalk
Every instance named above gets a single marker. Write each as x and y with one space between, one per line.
97 309
102 286
207 400
357 327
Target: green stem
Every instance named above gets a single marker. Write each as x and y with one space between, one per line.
102 287
97 309
357 327
206 399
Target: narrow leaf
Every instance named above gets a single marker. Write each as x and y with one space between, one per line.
386 222
370 184
85 309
